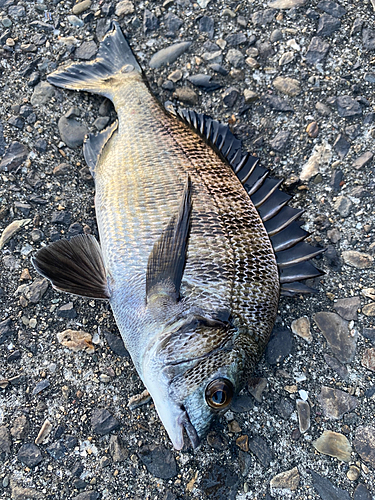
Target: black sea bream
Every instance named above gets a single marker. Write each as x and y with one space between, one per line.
196 243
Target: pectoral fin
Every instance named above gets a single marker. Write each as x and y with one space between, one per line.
166 262
74 266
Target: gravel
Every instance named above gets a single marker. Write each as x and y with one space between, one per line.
295 80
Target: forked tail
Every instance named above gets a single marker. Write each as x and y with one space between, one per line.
114 58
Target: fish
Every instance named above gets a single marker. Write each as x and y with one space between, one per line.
196 244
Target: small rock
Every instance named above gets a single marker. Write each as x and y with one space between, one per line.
72 132
359 260
5 440
332 8
57 450
369 309
368 359
36 290
320 157
362 493
61 169
40 386
159 461
150 22
335 445
67 311
235 58
335 402
44 432
213 57
117 449
301 327
20 428
15 155
230 96
347 308
116 344
256 387
102 422
326 490
364 443
235 39
363 160
186 95
243 443
173 23
279 346
242 403
280 141
21 493
303 412
277 103
368 39
42 94
343 206
76 340
124 8
322 109
263 17
286 4
369 333
6 330
206 25
341 146
86 51
168 55
312 129
261 450
204 81
337 333
317 50
286 481
347 107
353 473
30 455
139 400
219 482
217 441
250 96
286 58
80 7
327 25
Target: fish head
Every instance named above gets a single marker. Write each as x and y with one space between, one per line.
192 371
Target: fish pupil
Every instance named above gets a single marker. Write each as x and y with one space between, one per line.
219 397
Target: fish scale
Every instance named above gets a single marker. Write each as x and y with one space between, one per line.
185 259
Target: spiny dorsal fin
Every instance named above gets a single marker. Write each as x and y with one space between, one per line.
74 266
94 145
285 234
166 262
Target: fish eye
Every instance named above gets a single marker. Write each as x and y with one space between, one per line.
219 393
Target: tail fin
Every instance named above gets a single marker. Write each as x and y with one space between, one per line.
114 56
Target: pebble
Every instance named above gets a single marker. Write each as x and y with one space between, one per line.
44 432
336 332
343 206
219 482
87 495
356 259
15 155
279 346
363 160
317 50
250 96
213 57
326 489
278 103
327 25
243 442
286 481
301 327
331 8
186 95
80 7
21 493
235 57
36 290
259 447
362 493
335 445
168 55
338 367
57 450
117 448
204 81
286 4
72 132
67 311
102 422
235 39
230 96
263 17
286 58
150 22
341 146
242 403
353 473
280 141
303 413
40 386
173 23
335 402
86 51
203 3
368 38
76 340
20 428
116 344
206 25
30 455
364 443
124 8
5 440
368 359
217 441
252 63
159 461
369 309
347 107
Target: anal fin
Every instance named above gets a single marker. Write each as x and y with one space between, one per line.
74 266
94 145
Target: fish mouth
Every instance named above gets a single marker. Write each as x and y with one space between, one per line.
189 429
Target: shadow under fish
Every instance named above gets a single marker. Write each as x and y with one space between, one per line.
196 244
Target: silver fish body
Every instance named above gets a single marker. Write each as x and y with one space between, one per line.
185 261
